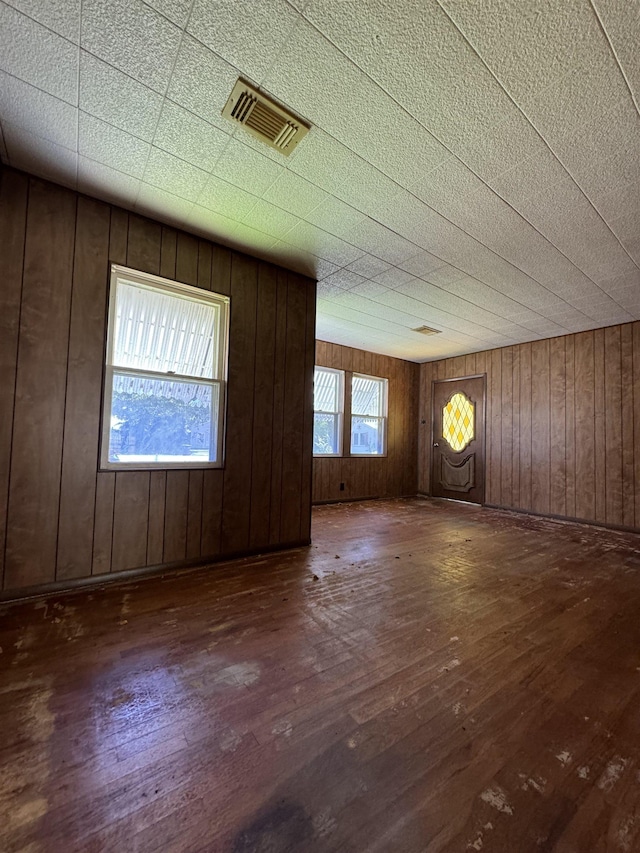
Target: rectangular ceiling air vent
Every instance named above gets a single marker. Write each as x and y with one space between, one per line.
427 330
264 119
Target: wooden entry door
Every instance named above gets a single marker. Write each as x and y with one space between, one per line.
457 455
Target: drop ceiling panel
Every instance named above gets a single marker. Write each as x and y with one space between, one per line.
473 168
61 16
111 146
189 137
117 99
37 112
35 54
132 37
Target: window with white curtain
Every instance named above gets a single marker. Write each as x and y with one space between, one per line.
165 374
368 415
328 395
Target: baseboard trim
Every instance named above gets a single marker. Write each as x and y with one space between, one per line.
366 498
131 575
570 519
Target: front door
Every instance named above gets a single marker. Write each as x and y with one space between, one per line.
457 455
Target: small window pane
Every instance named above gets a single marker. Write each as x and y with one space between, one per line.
367 396
367 436
164 332
158 420
326 388
458 422
325 434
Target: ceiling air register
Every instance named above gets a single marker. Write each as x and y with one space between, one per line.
264 119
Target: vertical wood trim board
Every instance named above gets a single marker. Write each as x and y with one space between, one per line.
562 424
60 518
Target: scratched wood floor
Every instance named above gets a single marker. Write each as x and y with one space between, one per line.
426 677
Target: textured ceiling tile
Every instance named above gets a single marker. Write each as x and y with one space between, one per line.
451 94
210 224
202 82
427 314
189 137
247 168
106 183
374 238
359 113
527 45
175 176
248 35
61 16
162 205
370 289
176 10
421 264
344 280
481 294
111 146
445 188
508 144
294 194
529 177
132 37
394 277
334 216
224 198
621 21
369 266
294 258
249 240
40 156
37 112
38 56
270 219
623 198
606 153
117 99
324 245
445 275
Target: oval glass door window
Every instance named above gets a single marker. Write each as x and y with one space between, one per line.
458 427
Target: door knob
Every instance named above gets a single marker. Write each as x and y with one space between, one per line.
435 444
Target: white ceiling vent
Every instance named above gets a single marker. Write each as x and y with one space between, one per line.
427 330
264 119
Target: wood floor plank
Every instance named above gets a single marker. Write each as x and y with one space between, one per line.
429 676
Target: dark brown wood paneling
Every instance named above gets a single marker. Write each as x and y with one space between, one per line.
628 429
585 427
94 522
237 475
557 427
103 529
83 395
260 447
292 434
574 406
36 456
130 521
14 190
278 407
404 470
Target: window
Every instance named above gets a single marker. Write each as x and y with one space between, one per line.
328 394
366 420
165 374
368 415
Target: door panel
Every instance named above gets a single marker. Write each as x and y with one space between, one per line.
457 455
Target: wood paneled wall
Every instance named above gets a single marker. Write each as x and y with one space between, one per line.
390 476
563 424
60 518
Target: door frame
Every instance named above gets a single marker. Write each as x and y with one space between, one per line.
482 376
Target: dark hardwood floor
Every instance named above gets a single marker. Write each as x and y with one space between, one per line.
427 676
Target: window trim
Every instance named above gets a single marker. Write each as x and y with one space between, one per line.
346 415
338 415
383 418
220 378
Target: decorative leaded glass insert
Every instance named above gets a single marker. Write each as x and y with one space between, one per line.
458 422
